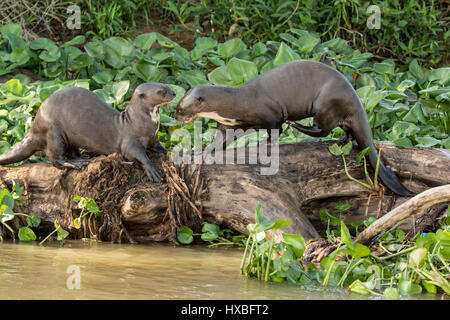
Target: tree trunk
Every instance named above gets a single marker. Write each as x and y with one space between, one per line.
309 179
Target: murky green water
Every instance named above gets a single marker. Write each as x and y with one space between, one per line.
113 271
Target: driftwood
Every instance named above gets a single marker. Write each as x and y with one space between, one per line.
309 179
410 208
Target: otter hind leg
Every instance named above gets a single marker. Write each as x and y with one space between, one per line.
57 150
313 131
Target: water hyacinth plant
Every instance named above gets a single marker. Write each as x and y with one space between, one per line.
392 268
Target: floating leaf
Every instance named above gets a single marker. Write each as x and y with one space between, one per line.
184 235
26 234
296 243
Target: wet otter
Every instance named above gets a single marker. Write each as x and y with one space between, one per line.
292 91
74 118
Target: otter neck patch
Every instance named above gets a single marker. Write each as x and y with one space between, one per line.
218 118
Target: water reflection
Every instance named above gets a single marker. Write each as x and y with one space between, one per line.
157 271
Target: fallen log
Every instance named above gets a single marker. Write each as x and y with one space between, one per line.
309 179
407 209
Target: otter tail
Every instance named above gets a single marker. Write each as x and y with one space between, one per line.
360 130
23 150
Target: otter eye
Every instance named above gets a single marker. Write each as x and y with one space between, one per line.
200 99
142 95
160 92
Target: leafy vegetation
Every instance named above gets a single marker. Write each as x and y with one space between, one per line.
408 30
392 268
212 234
343 151
89 208
408 105
8 199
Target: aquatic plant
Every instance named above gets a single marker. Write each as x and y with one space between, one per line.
392 268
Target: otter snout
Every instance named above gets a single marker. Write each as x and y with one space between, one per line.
186 109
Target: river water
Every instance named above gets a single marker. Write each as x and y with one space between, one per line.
123 271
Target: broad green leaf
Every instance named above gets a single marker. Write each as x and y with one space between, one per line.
146 71
11 28
429 286
341 207
347 148
205 43
119 89
415 114
193 77
117 52
427 141
415 69
145 41
407 287
296 243
61 233
359 251
417 257
210 231
403 142
13 86
362 154
404 129
95 49
20 56
391 293
280 223
241 71
33 221
77 223
346 238
405 84
284 54
103 77
78 40
335 149
220 76
359 287
384 67
231 48
441 75
184 235
26 234
259 49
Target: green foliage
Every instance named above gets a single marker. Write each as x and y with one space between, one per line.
7 202
89 207
407 105
212 234
409 30
403 268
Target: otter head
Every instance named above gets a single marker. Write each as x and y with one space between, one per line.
153 95
191 104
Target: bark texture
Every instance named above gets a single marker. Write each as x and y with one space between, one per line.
309 179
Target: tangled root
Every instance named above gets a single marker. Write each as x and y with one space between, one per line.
108 179
186 190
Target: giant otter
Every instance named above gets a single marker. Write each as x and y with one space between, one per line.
289 92
75 117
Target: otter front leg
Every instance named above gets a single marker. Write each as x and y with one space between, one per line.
134 151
